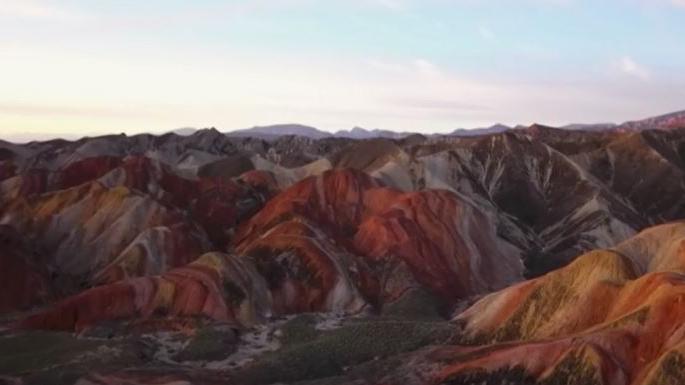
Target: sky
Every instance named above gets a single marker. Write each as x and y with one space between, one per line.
71 68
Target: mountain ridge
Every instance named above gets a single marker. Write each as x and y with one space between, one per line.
534 256
269 132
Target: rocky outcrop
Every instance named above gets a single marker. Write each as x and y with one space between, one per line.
105 218
335 200
306 271
217 286
86 228
339 242
345 225
611 317
449 246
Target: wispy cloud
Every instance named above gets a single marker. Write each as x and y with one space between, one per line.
628 66
22 109
33 9
422 67
386 66
427 68
438 104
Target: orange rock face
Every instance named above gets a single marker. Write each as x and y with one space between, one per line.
335 201
103 219
449 246
602 319
343 226
338 242
213 286
86 228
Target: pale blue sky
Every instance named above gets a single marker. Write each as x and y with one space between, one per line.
76 67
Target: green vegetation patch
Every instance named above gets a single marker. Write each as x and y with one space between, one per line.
33 351
209 344
45 357
335 350
504 376
299 330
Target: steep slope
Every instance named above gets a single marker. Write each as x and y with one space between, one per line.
24 280
336 200
447 244
307 271
103 219
338 242
85 228
610 317
635 167
668 121
540 185
217 286
452 250
543 202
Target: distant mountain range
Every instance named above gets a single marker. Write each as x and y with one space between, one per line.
497 128
267 132
667 121
361 133
185 131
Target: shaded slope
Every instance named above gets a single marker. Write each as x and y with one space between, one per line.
24 280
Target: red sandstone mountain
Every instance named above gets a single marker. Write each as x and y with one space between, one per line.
207 258
104 219
335 242
611 317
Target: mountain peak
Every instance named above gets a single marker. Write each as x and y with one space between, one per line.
494 129
276 130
